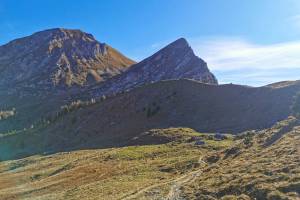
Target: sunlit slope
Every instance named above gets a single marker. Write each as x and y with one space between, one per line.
108 173
262 164
265 166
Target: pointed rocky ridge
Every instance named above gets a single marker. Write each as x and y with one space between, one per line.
175 61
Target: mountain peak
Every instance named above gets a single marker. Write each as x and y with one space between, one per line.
181 42
179 45
59 56
176 61
55 33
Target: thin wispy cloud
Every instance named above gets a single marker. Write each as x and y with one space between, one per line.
229 54
256 77
240 61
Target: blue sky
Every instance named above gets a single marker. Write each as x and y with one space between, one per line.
252 42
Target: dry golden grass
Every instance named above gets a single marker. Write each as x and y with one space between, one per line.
101 174
255 171
246 167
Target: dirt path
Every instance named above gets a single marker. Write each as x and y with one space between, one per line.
141 191
175 188
174 193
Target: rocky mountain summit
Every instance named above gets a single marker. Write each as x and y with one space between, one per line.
59 57
175 61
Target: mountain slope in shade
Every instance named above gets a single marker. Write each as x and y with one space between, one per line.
177 103
175 61
59 57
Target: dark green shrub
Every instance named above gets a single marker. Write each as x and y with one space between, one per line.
248 140
152 110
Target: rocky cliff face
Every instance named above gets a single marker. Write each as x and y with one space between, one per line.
175 61
59 57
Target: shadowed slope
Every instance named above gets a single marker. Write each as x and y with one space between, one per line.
178 103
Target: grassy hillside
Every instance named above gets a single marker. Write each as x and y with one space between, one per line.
110 173
262 165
